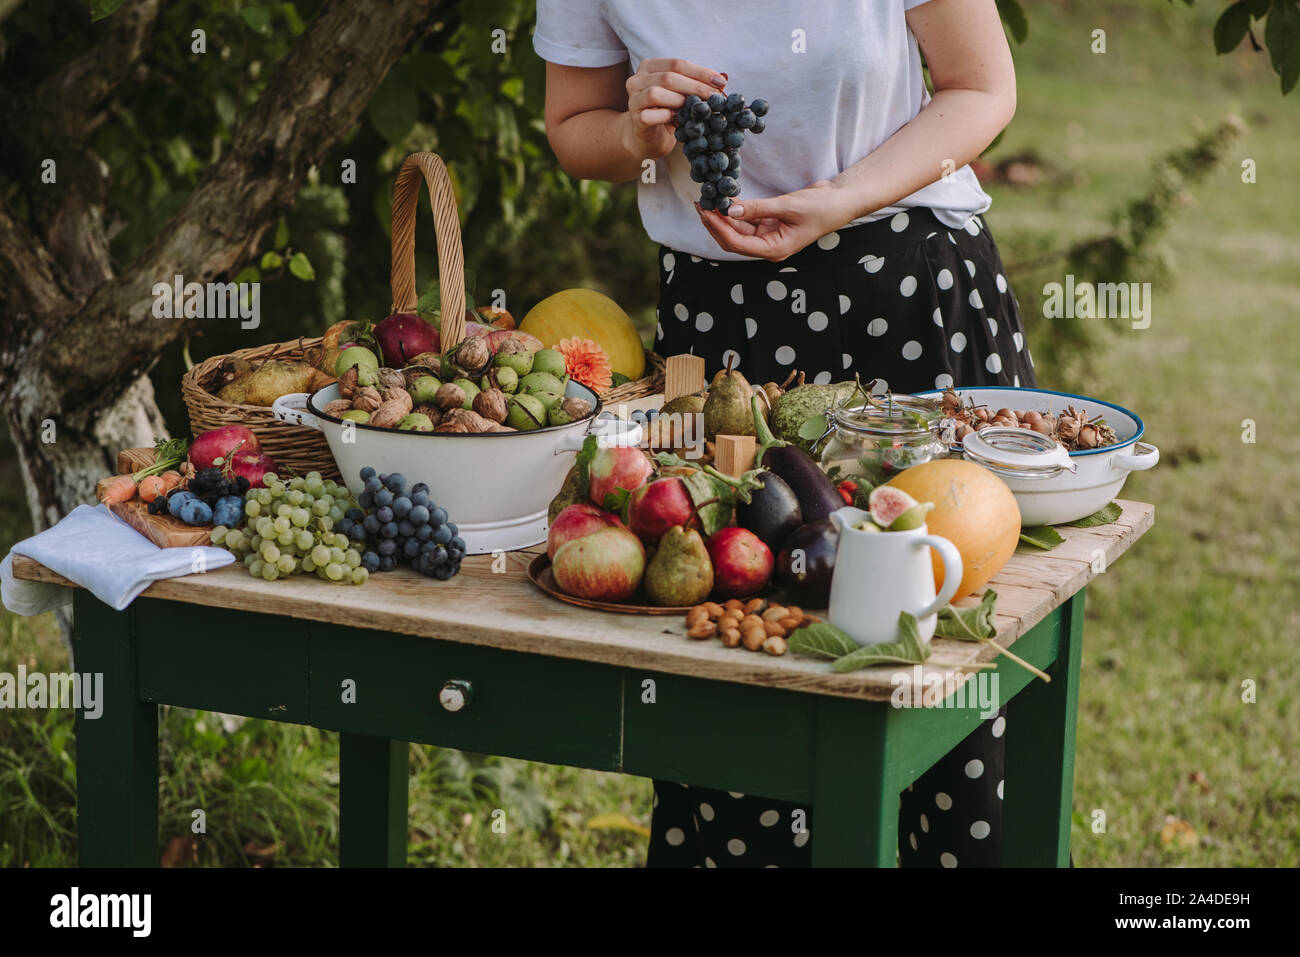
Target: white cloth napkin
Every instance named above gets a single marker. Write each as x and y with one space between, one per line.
103 554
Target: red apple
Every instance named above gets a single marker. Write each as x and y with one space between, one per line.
253 465
219 443
623 467
742 564
403 336
606 565
575 521
659 505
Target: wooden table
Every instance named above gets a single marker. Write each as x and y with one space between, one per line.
564 685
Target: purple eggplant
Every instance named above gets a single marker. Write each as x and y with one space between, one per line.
807 561
817 495
772 511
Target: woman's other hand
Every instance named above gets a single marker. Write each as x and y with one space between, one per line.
779 227
655 92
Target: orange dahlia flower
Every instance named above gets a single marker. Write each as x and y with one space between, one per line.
586 362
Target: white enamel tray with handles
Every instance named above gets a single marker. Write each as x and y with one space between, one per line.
1052 486
498 486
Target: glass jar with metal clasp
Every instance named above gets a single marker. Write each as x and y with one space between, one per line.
874 437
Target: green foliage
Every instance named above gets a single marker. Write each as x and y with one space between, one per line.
1281 33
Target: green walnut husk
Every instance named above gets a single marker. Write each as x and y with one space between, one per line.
415 422
424 389
358 356
536 382
568 410
356 415
470 389
549 360
500 377
548 399
520 363
526 413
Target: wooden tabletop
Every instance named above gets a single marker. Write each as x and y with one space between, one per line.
503 609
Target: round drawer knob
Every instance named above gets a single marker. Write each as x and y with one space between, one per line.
456 695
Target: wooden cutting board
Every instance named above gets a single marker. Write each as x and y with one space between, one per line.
163 530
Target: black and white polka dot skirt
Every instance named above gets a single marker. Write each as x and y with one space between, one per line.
921 306
907 300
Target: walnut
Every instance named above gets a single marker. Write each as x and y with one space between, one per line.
449 396
391 378
389 414
416 371
396 394
337 407
491 405
348 383
367 399
452 427
432 411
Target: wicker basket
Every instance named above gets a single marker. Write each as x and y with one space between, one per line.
651 383
294 448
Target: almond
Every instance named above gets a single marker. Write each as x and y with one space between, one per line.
731 637
776 613
705 629
753 638
774 645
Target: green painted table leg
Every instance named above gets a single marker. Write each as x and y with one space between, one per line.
1039 783
856 802
372 801
117 752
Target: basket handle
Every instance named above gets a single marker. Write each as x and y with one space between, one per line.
446 224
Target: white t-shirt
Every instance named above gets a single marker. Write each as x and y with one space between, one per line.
840 77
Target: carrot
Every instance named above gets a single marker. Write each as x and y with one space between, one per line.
119 488
171 478
152 487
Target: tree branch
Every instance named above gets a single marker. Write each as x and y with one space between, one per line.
315 96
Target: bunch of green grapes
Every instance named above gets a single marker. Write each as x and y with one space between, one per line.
288 527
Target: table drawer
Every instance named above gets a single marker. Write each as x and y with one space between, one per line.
519 705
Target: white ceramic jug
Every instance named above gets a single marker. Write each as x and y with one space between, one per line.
880 574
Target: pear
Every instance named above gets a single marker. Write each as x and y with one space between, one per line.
727 410
680 572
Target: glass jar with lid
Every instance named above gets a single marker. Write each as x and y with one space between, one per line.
876 437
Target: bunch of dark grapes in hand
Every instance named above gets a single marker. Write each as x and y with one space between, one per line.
401 524
712 132
210 496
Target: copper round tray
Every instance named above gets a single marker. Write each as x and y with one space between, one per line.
539 573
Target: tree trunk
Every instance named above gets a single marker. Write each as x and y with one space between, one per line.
77 341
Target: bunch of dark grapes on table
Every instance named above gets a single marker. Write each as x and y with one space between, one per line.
398 523
712 132
211 496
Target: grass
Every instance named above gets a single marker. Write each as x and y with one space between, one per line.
1204 603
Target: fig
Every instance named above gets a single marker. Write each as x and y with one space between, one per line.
887 503
914 517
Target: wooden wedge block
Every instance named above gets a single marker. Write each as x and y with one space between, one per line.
683 375
734 454
133 460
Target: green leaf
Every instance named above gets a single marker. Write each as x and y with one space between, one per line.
1041 536
281 234
301 267
813 428
617 378
616 500
820 640
1103 516
1230 29
429 305
907 650
99 9
272 260
259 18
712 512
969 624
1282 37
1013 15
394 108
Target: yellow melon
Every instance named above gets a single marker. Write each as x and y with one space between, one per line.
973 509
588 314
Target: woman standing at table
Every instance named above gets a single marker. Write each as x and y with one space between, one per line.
856 246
